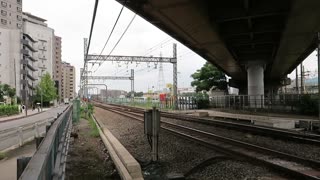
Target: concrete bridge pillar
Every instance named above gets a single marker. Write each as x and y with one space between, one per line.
256 84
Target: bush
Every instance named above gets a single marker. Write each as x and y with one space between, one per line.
308 105
202 100
90 108
8 110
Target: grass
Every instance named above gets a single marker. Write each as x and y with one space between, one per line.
94 129
2 155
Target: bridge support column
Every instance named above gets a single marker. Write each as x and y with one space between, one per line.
256 84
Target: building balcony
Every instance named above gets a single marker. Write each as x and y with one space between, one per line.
27 37
26 44
25 52
31 77
23 71
25 62
32 59
30 86
24 82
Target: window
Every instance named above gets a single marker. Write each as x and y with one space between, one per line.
19 25
19 1
3 4
3 13
19 17
19 9
3 21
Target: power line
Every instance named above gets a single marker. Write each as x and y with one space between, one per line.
92 25
161 44
124 32
115 24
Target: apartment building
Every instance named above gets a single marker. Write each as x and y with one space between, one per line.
10 43
57 74
37 29
68 86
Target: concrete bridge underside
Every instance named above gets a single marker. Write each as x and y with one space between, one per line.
264 39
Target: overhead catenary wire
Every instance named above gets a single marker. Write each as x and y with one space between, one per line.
105 44
91 30
124 32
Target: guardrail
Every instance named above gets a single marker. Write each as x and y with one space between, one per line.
49 161
17 136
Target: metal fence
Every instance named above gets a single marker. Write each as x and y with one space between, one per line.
49 161
184 102
281 102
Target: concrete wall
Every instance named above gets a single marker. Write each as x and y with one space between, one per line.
10 57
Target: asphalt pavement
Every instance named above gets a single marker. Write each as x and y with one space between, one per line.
16 132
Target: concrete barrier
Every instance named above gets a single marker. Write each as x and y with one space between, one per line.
128 168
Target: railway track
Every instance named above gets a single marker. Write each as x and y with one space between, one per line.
306 138
294 166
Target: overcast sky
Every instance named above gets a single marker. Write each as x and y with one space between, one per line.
71 20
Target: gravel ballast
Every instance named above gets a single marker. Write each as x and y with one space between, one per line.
176 154
304 150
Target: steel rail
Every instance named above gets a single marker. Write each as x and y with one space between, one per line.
295 166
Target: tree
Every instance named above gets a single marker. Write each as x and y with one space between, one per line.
46 88
207 77
6 90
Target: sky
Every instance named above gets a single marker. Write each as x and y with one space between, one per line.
71 20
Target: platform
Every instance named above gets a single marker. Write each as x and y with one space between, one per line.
269 121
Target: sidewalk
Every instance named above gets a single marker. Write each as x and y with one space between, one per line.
8 166
21 115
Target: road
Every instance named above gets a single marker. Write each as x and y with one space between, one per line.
13 133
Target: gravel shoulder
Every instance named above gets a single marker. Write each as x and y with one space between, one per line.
177 155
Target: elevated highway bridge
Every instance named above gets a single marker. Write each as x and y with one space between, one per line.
255 42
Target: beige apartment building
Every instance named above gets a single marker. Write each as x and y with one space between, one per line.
10 43
68 86
56 71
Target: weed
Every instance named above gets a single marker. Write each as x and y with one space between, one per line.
94 129
2 155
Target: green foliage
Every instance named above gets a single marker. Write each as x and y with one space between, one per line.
6 90
2 155
47 89
207 77
8 110
202 100
19 100
308 105
90 108
94 129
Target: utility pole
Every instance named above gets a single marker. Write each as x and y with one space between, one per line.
138 59
301 78
175 77
131 78
85 70
297 83
132 83
318 53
